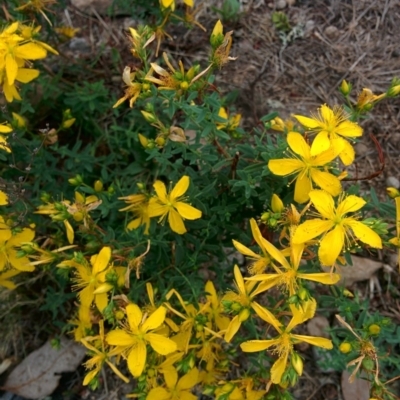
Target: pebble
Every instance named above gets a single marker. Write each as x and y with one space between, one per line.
280 4
331 31
361 149
291 2
392 181
80 45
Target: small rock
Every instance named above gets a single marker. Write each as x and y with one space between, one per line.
359 389
79 44
309 27
280 4
100 6
291 2
331 31
393 182
361 149
318 326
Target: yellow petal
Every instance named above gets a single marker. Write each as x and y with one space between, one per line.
324 203
285 166
278 368
364 233
255 230
298 145
161 344
307 122
189 3
322 277
86 296
302 188
244 250
70 231
187 211
321 143
277 205
161 191
350 204
30 51
101 301
90 375
26 75
218 29
275 253
158 393
119 337
239 279
180 188
266 315
137 359
326 181
331 246
252 346
11 69
189 380
347 155
102 260
176 223
10 92
134 315
315 341
232 329
155 320
170 377
310 229
349 129
134 224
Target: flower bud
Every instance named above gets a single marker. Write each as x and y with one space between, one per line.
302 293
184 85
374 329
244 315
119 314
143 140
98 186
392 192
76 181
277 204
297 363
265 217
368 364
345 347
160 141
345 88
78 216
148 116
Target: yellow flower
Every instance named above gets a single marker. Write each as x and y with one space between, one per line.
173 205
9 244
331 126
176 389
133 339
3 198
215 308
139 205
231 122
396 240
260 261
100 355
307 167
4 129
68 31
284 342
221 45
175 80
288 274
336 226
241 302
91 280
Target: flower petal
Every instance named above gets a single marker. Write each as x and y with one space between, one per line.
161 191
176 222
180 188
324 203
364 233
315 341
187 211
252 346
279 367
325 278
302 188
285 166
331 246
189 380
119 337
308 122
326 181
349 129
134 315
244 250
298 145
158 393
137 359
310 229
321 143
161 344
266 315
102 260
350 204
232 329
347 155
26 75
155 320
